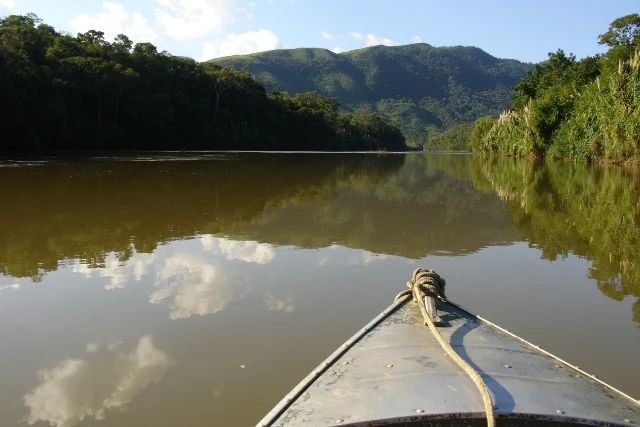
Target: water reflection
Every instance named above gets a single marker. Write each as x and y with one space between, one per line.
408 206
384 204
590 211
119 273
275 260
194 286
428 206
284 304
252 252
89 387
84 210
8 287
336 255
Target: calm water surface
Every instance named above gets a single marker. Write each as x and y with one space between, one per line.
197 291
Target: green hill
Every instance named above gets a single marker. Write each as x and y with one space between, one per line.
424 89
64 92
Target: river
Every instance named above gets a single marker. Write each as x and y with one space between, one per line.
199 289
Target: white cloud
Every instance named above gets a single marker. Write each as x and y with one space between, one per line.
249 251
9 4
246 12
279 304
76 389
240 44
194 286
118 273
115 20
416 39
193 19
373 40
337 49
324 35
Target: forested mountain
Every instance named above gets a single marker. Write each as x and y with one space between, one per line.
423 89
63 92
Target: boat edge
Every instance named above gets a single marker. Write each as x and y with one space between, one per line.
303 385
299 389
545 352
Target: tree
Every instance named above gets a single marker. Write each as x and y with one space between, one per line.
313 103
122 43
543 76
624 31
145 49
226 78
59 91
91 37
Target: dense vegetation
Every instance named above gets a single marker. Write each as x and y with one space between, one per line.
63 92
586 110
453 139
423 89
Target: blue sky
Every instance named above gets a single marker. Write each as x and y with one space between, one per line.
204 29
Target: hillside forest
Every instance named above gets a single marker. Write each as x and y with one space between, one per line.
425 90
82 92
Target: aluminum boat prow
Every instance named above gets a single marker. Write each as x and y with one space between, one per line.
393 372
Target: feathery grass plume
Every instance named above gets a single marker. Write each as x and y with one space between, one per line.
605 125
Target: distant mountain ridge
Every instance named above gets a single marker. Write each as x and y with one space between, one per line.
424 89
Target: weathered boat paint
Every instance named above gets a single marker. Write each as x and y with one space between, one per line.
393 372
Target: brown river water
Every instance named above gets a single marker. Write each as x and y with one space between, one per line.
199 289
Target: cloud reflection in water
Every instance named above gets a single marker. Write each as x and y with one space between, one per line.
8 287
119 273
76 389
279 304
194 283
247 251
194 286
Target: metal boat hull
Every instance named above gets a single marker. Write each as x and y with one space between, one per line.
393 372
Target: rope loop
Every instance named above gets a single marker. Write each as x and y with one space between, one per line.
427 283
431 284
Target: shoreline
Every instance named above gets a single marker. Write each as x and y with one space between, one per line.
184 154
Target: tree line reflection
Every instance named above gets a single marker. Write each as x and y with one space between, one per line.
590 211
104 213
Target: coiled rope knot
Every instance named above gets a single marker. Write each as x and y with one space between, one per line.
428 282
431 284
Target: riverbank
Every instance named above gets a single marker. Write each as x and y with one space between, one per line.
585 110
